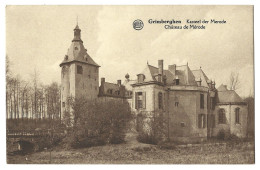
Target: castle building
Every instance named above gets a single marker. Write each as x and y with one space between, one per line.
194 108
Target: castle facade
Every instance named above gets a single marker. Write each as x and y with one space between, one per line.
194 107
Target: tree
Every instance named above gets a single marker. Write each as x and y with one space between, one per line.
97 122
234 83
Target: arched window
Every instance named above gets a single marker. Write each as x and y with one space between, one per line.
221 116
237 115
160 100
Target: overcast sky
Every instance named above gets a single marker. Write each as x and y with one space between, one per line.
39 36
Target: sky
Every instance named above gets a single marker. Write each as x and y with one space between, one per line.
38 37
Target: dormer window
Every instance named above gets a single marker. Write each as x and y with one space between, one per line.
140 78
109 91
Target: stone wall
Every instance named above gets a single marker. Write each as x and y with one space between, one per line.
184 109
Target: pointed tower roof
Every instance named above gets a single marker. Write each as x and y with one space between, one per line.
77 51
77 27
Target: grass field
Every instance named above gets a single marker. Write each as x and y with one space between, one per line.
137 153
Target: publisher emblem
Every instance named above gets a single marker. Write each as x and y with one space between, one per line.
138 24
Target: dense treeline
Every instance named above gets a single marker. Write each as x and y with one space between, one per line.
29 99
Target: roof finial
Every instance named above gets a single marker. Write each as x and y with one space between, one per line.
200 67
147 62
187 63
77 20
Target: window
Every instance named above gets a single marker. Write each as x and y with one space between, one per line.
176 104
140 100
212 103
76 48
237 115
79 69
109 91
202 101
63 104
202 121
117 92
177 81
160 100
221 116
182 124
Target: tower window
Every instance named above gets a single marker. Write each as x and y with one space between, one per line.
76 48
63 104
176 104
79 69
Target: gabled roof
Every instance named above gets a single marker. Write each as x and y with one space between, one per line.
227 96
183 73
111 86
200 75
222 88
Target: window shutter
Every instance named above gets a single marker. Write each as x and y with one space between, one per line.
144 100
213 121
199 121
209 120
136 104
163 101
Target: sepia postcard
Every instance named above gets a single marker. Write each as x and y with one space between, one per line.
168 84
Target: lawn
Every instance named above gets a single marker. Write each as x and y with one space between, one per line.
137 153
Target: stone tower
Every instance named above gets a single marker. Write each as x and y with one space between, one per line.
79 73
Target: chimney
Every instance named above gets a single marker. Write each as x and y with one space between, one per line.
160 66
214 84
160 70
119 82
172 69
102 81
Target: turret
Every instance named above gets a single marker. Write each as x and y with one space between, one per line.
77 34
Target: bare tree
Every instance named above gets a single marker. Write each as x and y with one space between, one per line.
234 81
35 80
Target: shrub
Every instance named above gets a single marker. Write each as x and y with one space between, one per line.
151 129
221 134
